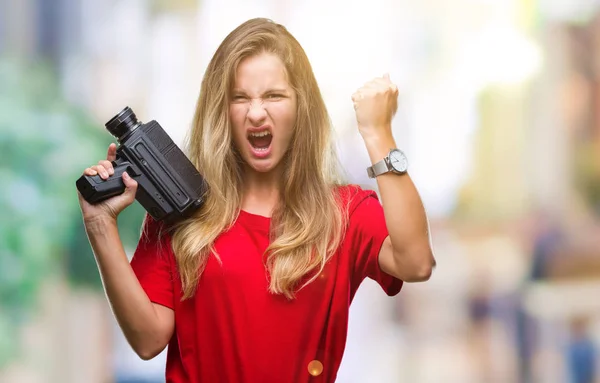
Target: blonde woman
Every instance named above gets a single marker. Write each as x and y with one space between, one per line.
256 287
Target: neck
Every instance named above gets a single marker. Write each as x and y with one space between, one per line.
261 192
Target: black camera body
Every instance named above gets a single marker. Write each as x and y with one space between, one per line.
170 187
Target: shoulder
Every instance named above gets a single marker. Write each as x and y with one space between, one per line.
154 245
154 231
351 196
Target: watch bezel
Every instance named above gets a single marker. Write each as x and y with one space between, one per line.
391 165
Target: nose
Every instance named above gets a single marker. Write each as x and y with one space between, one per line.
257 113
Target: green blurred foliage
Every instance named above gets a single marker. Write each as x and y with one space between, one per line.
45 144
159 7
587 173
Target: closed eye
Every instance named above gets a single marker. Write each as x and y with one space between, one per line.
273 96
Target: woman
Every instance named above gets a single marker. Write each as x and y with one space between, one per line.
256 287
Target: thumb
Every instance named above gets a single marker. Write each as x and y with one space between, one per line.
120 202
130 184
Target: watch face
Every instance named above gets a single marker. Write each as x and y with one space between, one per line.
398 161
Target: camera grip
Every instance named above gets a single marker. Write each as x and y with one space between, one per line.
94 189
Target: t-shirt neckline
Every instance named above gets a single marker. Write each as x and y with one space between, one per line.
255 220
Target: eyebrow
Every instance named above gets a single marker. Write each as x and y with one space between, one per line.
277 90
274 90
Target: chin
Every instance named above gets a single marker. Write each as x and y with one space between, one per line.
261 167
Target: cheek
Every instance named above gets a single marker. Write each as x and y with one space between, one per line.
285 119
236 119
235 115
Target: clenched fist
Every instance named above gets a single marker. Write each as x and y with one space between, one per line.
375 103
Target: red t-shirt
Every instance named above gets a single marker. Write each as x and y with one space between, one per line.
234 330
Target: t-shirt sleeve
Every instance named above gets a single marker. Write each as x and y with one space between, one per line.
152 263
367 231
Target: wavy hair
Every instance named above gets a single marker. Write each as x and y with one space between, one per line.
308 224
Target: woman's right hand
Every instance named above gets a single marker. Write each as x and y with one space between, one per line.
111 207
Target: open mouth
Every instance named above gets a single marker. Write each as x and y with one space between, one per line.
260 141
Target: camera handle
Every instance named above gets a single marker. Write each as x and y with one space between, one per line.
94 189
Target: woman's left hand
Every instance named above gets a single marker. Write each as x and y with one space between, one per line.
375 104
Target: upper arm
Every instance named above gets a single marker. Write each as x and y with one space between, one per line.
154 264
368 238
166 323
152 342
386 259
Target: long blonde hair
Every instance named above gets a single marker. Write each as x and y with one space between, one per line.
308 224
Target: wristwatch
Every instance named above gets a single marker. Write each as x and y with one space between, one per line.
394 162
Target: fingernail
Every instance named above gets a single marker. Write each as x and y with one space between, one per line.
105 174
125 175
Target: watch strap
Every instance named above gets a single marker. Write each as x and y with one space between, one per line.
378 168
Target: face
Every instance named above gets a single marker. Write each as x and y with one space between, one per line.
262 112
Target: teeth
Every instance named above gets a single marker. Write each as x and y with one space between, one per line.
260 134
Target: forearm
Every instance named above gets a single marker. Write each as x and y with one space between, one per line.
404 212
130 304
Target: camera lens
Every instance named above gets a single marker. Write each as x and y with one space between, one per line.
122 124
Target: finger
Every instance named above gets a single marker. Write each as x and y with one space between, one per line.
368 92
386 77
108 166
381 82
102 171
376 85
359 94
90 172
380 85
111 155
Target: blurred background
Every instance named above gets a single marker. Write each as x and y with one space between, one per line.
499 116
